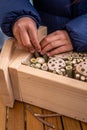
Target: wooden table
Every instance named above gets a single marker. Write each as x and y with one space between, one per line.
20 118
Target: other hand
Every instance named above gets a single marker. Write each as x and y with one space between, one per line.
55 43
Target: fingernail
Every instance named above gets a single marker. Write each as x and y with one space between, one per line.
48 54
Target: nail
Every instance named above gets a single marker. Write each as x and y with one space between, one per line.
48 54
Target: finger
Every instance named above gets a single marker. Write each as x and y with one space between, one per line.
17 36
53 45
59 50
20 43
50 38
26 40
34 38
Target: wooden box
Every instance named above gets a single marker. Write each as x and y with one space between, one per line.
44 89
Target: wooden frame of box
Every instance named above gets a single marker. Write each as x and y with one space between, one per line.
44 89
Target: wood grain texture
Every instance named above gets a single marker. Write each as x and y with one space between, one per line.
20 116
31 122
84 126
70 124
18 55
53 92
2 116
5 84
16 117
55 121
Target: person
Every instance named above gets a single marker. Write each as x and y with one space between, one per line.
66 21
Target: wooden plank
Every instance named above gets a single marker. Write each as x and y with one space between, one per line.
59 124
53 92
5 84
31 122
2 116
16 117
55 121
13 72
84 126
70 124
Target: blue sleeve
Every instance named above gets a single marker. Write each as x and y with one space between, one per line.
77 29
12 10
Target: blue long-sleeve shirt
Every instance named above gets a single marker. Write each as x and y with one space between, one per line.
55 14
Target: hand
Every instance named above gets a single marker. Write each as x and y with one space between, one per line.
25 31
55 43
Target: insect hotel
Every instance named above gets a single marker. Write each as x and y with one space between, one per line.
56 83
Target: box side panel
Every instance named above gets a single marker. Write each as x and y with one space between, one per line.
13 67
55 96
6 90
15 84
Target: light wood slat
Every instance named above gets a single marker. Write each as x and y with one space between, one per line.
16 117
59 124
53 120
84 126
2 116
13 72
31 122
5 83
70 124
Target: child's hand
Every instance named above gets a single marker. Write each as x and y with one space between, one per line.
25 31
55 43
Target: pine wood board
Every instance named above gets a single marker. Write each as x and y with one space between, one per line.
56 121
2 115
13 72
45 90
31 122
84 126
16 117
70 124
5 84
20 118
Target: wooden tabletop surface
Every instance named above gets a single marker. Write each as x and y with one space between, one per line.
20 118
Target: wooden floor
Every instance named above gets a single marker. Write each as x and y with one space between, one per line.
20 118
